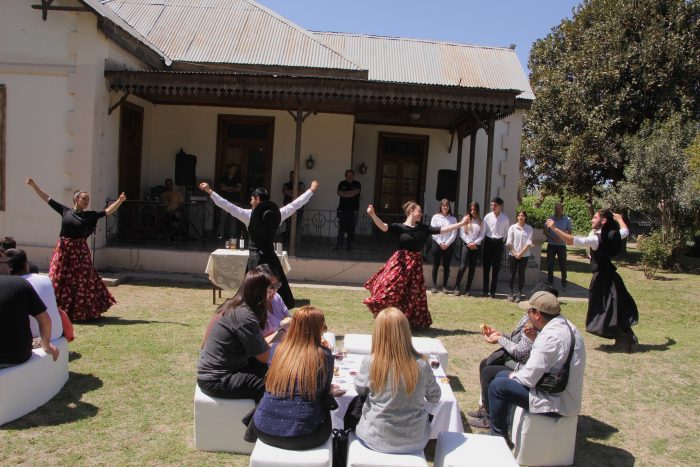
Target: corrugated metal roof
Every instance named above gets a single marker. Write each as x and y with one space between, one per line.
226 31
415 61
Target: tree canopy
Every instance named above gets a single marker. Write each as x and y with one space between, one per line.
597 77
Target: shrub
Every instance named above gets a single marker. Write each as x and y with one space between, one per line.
574 207
657 253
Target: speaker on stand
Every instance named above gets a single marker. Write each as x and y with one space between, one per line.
446 185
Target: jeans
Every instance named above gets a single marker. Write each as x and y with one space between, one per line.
467 260
560 252
503 392
517 266
441 256
346 224
493 253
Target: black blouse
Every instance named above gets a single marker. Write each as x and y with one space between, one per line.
76 224
413 238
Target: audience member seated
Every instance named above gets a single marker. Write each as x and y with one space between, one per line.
514 352
18 300
19 266
171 197
549 354
294 413
8 243
233 361
278 318
394 418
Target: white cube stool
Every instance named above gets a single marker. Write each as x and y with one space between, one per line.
469 450
541 440
217 423
265 455
26 387
361 456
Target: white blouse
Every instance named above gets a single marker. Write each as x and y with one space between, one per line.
439 220
518 238
472 233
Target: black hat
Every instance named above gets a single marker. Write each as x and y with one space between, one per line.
265 219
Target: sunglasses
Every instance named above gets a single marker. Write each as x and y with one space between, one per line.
274 286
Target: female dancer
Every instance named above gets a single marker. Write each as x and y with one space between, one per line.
472 235
233 360
442 244
400 283
519 242
79 289
397 381
295 413
611 309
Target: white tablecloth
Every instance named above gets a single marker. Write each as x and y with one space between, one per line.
362 344
446 416
226 268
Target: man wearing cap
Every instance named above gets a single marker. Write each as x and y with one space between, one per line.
549 354
262 222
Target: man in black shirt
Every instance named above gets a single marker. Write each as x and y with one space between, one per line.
349 193
18 300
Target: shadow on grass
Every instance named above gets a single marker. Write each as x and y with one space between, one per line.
65 407
640 348
299 302
72 356
437 332
588 452
116 320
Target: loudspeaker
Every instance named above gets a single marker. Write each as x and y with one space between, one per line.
185 169
446 185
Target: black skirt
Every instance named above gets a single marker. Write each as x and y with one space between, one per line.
611 309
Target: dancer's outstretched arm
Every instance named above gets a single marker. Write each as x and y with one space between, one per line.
287 210
377 221
241 214
40 193
115 205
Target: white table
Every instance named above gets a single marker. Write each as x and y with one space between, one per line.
226 268
446 416
362 344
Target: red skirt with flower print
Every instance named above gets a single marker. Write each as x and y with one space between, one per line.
400 283
79 289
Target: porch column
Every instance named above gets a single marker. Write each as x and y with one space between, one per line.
472 156
460 141
299 116
489 160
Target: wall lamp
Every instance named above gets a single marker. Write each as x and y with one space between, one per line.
363 168
310 162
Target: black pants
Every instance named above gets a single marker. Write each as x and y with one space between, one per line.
247 383
487 373
560 252
467 260
517 266
441 256
346 225
298 443
493 253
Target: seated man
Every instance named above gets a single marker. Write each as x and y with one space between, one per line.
19 266
549 354
18 300
171 197
9 242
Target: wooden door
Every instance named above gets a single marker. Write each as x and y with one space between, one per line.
130 141
401 163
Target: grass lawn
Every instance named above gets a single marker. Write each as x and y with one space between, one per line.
129 397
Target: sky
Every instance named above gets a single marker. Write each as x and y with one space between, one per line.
492 23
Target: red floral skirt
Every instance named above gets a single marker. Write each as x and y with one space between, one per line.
400 283
79 289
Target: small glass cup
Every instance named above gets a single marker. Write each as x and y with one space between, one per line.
227 245
434 361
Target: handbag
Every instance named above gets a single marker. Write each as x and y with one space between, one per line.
554 383
340 447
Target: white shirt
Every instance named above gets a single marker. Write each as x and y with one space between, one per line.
44 288
496 227
518 237
548 355
472 233
591 241
243 215
439 220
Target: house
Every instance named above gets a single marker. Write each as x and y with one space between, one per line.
102 96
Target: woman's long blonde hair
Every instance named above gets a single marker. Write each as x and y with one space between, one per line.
299 361
393 352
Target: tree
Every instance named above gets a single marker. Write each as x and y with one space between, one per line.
659 178
597 77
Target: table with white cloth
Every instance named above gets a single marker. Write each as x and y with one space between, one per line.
362 344
226 268
446 415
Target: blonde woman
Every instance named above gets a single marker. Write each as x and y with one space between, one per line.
294 412
397 381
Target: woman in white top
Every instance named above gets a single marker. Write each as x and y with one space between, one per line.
443 244
519 242
471 234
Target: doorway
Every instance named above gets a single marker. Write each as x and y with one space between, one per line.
401 163
130 142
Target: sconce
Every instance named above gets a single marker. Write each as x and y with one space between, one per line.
414 115
310 162
363 168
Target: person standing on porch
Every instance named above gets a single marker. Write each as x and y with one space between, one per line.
230 186
400 283
348 206
496 225
79 289
261 248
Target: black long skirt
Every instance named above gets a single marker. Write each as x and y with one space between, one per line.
611 309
